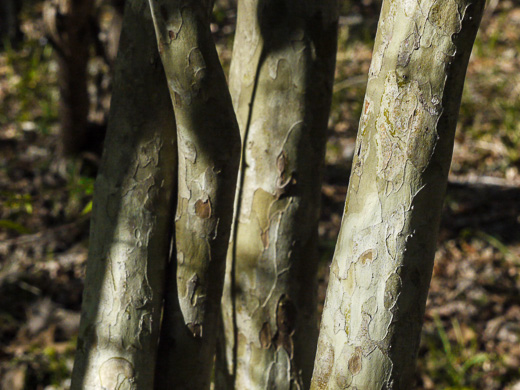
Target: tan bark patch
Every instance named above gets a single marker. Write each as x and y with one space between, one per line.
265 335
203 208
392 290
368 256
354 363
324 365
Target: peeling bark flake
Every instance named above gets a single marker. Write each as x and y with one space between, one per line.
203 208
285 322
355 362
265 336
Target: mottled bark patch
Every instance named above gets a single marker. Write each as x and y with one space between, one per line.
323 365
405 130
187 148
265 336
445 16
281 71
362 147
355 362
191 287
408 46
367 109
180 257
339 321
203 208
347 320
114 372
281 163
196 70
279 372
385 30
285 179
349 279
265 238
367 256
265 207
342 374
392 289
414 86
173 21
409 7
285 321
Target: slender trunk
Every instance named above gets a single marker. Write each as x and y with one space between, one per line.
382 267
209 152
9 21
131 221
281 81
68 26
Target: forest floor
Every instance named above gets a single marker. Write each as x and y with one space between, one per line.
471 334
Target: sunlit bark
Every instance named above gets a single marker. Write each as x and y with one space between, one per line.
281 82
384 257
209 154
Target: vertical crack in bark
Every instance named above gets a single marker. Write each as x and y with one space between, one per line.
236 213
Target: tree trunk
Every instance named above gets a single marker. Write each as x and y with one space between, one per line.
281 81
114 31
383 262
68 26
9 21
131 221
209 153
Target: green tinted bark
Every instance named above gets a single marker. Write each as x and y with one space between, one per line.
384 256
209 153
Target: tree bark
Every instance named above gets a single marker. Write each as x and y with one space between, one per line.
114 30
131 220
209 154
281 82
9 21
383 262
68 26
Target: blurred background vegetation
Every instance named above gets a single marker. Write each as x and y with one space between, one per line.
471 336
